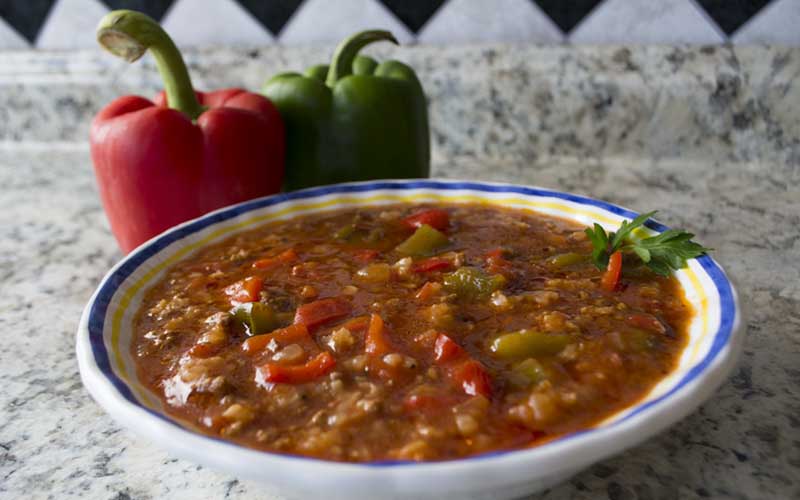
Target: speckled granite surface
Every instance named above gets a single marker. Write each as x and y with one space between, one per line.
709 137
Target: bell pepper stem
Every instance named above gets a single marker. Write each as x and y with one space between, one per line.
346 52
129 34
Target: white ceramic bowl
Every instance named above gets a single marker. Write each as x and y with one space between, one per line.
107 368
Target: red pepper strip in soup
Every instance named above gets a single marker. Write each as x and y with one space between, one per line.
646 322
376 343
292 333
497 261
466 372
472 377
321 311
246 290
365 254
446 350
610 279
428 290
270 262
316 367
437 219
432 264
358 324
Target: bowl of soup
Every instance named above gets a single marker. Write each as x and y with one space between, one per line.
392 339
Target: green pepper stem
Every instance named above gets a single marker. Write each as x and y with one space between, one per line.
129 34
346 52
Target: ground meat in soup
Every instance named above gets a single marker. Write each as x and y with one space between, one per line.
404 332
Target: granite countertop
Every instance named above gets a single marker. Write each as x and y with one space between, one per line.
709 136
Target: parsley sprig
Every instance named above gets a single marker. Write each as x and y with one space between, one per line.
662 253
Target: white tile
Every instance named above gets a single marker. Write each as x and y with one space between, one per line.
465 21
646 22
10 39
71 25
778 23
213 22
323 21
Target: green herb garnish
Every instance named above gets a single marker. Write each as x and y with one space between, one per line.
662 253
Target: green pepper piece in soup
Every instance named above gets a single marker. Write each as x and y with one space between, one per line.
256 317
526 343
425 241
472 283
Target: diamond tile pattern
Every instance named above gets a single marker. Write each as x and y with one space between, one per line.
732 14
26 16
58 24
10 39
211 22
153 8
414 13
317 23
467 21
567 14
662 22
273 14
71 24
776 24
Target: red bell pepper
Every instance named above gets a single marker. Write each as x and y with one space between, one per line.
460 368
646 322
434 217
321 311
358 324
375 343
246 290
285 257
496 260
610 279
160 164
365 255
313 369
428 290
432 264
292 333
473 379
446 349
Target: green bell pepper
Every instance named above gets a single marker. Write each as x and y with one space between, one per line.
524 343
527 373
355 120
472 283
425 241
256 317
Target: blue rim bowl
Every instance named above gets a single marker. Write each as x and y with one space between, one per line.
106 368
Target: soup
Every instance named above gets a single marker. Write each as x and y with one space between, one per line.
404 332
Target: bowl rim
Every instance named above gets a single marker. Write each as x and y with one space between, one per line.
566 453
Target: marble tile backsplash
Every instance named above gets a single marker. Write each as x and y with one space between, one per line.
503 102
